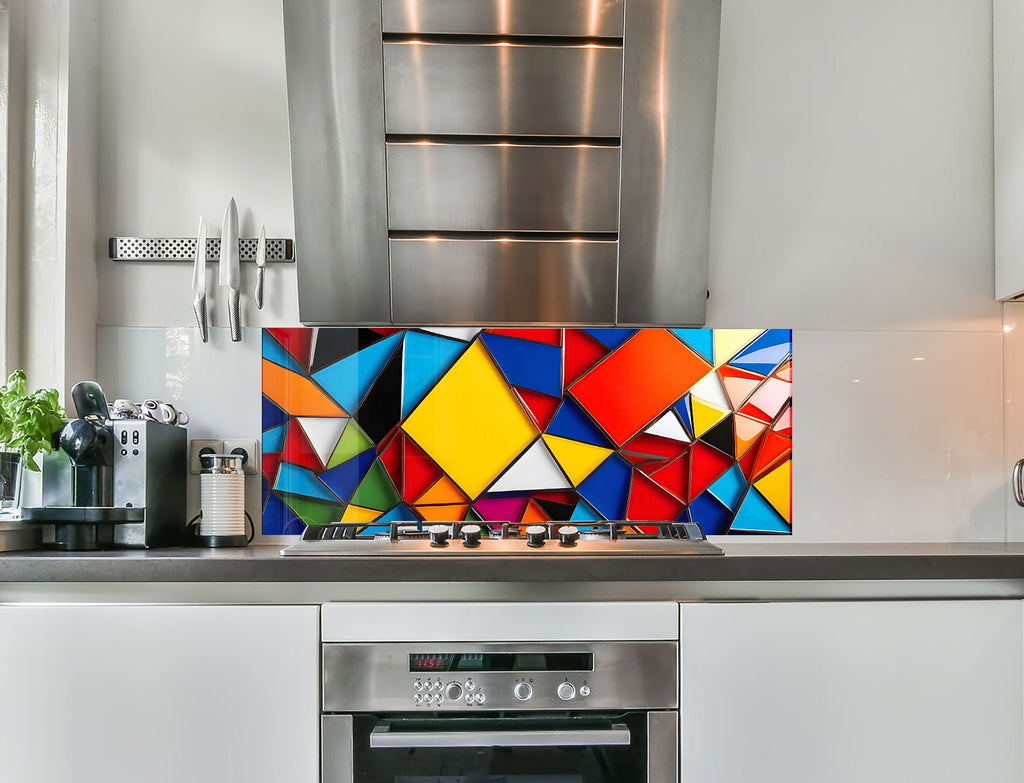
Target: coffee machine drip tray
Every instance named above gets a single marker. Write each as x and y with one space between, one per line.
90 515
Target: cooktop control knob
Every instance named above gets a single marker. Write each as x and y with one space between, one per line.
522 691
566 691
568 535
453 692
535 535
471 535
438 535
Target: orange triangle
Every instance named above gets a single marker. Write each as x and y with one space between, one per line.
452 513
541 407
747 430
295 394
534 515
443 491
785 372
775 447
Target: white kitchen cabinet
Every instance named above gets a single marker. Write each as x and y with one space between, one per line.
161 694
927 691
1008 131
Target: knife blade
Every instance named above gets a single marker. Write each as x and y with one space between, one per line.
229 273
199 281
261 262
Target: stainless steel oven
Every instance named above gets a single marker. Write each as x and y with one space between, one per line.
517 712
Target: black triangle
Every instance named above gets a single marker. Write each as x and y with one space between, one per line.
722 436
381 409
335 343
557 512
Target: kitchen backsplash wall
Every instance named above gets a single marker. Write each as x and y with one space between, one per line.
852 201
528 425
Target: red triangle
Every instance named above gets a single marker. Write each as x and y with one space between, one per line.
650 503
556 497
706 464
297 448
775 446
420 472
581 352
270 464
784 424
390 452
655 446
542 407
546 336
749 459
297 341
674 477
755 413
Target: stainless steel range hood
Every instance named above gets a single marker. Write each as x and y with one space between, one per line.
502 161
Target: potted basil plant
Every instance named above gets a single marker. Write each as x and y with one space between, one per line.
28 423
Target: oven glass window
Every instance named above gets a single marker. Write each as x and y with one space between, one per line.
480 759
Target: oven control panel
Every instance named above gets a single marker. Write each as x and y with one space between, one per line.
513 676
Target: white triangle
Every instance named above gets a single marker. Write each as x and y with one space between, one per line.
535 470
464 333
709 390
668 426
323 433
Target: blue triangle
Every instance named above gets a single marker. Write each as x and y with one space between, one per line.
273 416
343 479
702 341
399 513
766 352
279 520
531 365
296 480
265 490
571 422
611 338
273 440
684 410
584 512
273 352
756 515
348 381
607 488
729 486
711 515
426 358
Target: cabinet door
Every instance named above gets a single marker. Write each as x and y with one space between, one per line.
162 694
883 691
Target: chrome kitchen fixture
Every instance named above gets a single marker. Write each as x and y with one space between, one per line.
503 710
464 539
502 161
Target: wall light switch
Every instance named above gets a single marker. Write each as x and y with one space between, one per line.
249 449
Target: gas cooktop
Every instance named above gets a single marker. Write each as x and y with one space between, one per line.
462 539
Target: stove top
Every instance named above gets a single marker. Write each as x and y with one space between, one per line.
464 539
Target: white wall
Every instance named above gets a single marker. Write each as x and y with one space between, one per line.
852 202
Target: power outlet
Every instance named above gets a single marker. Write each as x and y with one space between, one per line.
249 448
199 445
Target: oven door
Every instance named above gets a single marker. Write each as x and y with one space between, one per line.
631 747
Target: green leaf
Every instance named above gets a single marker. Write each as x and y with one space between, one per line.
28 422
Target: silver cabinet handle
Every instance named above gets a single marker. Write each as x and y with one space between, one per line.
1018 487
383 737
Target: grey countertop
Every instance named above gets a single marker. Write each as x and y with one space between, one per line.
743 562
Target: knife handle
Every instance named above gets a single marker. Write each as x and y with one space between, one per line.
258 294
234 317
199 306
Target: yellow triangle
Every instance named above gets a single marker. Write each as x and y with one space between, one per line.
705 416
359 514
777 489
578 460
729 342
443 491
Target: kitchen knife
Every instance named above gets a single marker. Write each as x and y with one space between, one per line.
199 281
229 275
261 262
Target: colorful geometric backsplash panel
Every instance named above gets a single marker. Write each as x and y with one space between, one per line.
527 425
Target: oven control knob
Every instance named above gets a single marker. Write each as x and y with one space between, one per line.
471 535
453 692
438 535
568 535
522 691
566 691
535 535
584 690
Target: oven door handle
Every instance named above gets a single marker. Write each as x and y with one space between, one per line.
383 737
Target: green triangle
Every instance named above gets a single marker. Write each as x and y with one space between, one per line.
376 490
472 515
353 441
311 512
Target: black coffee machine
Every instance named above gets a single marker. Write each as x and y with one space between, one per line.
112 482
